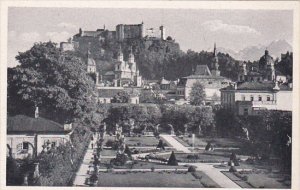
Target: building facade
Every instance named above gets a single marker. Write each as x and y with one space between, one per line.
248 98
27 137
211 80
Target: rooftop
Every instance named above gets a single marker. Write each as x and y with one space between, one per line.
202 70
264 86
26 124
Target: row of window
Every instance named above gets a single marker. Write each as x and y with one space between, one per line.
259 98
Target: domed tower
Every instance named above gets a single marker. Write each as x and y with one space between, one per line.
91 64
242 72
266 65
131 56
120 54
119 64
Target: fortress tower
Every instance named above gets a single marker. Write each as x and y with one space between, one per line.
162 32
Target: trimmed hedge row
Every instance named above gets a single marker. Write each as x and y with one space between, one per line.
59 168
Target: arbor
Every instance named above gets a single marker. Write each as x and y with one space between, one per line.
197 94
55 81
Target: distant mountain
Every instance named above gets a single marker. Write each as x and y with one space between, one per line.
253 53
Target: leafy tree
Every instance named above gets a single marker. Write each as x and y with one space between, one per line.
197 94
54 81
121 97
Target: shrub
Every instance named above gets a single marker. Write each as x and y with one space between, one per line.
152 169
192 169
172 160
232 169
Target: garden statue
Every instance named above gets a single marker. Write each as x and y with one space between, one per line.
209 147
233 160
172 129
36 173
246 132
185 129
160 145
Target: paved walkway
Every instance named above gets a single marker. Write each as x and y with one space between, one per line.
173 142
82 174
214 173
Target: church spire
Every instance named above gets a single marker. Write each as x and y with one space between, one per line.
88 50
215 49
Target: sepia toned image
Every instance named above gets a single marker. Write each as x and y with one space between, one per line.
149 97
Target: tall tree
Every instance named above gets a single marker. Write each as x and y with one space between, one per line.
55 81
197 94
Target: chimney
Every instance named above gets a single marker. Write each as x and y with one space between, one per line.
36 113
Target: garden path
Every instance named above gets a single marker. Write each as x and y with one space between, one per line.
208 169
82 174
173 142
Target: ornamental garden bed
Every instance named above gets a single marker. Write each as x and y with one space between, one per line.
151 179
259 179
140 165
217 142
142 141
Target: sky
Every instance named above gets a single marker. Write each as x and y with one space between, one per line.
192 29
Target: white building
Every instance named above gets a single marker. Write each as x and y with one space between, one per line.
126 72
27 136
248 98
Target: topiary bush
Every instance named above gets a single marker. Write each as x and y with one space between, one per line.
192 169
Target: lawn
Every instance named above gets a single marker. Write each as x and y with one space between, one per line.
203 156
141 141
140 165
202 142
149 179
259 179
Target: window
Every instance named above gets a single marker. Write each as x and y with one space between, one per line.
251 98
245 111
252 79
259 98
258 79
241 78
25 146
53 144
243 97
268 98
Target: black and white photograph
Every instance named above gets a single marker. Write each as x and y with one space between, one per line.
155 94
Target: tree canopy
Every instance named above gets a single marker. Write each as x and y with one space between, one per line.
55 81
197 94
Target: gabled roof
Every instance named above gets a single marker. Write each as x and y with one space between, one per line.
202 70
91 62
25 124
